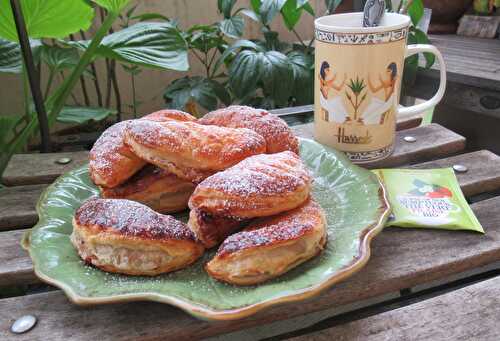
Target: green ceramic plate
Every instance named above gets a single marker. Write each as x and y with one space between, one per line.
356 208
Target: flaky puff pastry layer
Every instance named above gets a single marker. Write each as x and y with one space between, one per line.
190 150
278 135
269 247
111 161
127 237
154 187
258 186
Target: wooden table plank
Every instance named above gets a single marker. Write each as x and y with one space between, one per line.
480 69
483 173
15 263
487 179
401 258
433 141
17 206
32 169
470 313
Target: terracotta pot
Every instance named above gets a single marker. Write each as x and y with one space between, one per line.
445 14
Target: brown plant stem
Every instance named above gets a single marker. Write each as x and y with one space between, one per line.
117 92
94 73
83 85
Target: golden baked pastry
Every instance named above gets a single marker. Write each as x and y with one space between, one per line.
124 236
162 191
270 246
278 135
190 150
210 230
111 161
259 186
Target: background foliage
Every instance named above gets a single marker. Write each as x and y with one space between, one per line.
266 72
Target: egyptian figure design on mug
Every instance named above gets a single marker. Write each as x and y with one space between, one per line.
333 105
355 94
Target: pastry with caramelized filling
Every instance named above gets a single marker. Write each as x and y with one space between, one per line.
111 161
259 186
271 246
156 188
190 150
278 135
124 236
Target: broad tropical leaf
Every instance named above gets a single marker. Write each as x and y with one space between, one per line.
11 59
203 91
416 11
276 75
268 10
81 115
244 72
7 125
47 18
233 27
58 58
150 44
242 43
225 7
112 5
291 13
303 73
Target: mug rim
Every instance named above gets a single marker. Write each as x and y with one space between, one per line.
403 21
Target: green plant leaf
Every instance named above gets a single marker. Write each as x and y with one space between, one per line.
114 6
150 16
47 18
421 38
233 27
201 90
276 75
11 59
331 5
251 14
291 13
303 75
416 11
150 44
7 125
244 72
242 43
225 7
268 10
58 58
81 115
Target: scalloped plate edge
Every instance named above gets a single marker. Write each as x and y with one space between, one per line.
207 313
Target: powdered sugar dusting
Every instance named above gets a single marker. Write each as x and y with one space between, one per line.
265 174
132 219
274 230
279 137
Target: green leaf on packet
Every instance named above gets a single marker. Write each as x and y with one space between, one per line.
427 198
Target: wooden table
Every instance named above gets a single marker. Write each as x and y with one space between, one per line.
406 266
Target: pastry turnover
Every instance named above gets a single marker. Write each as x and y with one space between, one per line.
111 161
259 186
210 230
190 150
127 237
279 137
270 246
162 191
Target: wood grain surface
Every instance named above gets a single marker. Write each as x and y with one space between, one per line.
17 206
401 258
32 169
433 141
470 313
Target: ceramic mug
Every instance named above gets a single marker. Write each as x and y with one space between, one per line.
358 73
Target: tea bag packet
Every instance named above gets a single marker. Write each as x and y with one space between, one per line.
429 198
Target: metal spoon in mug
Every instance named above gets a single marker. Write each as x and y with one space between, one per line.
373 12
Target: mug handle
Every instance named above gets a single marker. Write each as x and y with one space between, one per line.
415 109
